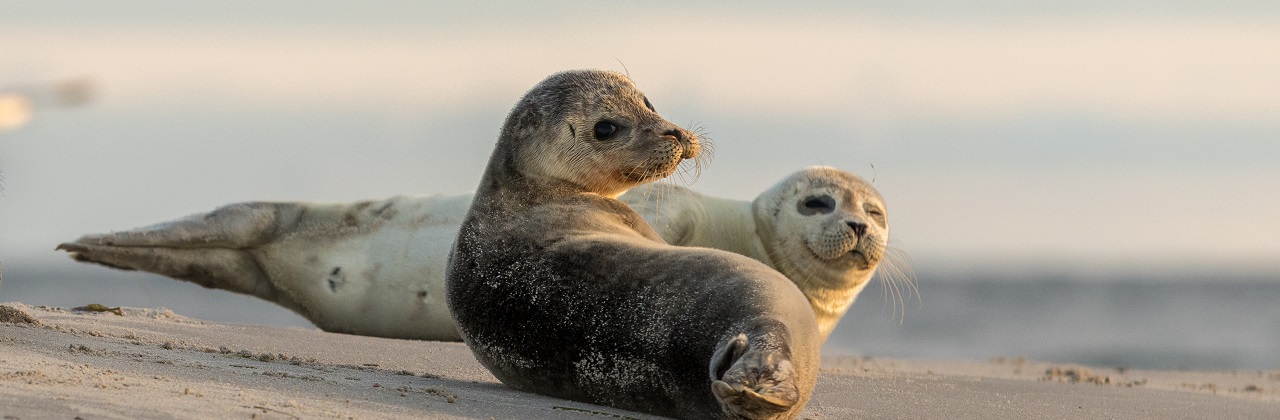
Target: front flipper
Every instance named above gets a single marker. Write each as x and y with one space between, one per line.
753 380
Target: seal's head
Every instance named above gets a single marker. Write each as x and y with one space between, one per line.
588 130
824 225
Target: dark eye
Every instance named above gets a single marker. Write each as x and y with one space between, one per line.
606 130
649 105
818 204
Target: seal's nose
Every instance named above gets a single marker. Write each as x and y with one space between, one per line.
859 228
686 140
675 133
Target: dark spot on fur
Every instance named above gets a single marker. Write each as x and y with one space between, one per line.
382 211
354 215
334 278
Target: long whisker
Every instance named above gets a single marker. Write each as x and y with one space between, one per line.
895 270
900 263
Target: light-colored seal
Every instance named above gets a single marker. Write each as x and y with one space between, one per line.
377 267
825 229
560 289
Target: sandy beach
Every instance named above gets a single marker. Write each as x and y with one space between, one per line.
154 363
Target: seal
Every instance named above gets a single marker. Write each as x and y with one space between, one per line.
825 229
560 289
376 268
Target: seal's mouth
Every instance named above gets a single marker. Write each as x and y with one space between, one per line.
853 257
852 260
858 257
640 175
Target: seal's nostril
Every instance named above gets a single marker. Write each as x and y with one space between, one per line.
674 133
859 228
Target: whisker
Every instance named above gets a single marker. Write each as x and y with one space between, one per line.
900 262
624 66
895 270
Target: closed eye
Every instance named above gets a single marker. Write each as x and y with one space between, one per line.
876 213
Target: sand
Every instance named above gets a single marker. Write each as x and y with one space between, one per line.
153 363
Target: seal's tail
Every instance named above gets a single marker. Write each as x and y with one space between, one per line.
753 381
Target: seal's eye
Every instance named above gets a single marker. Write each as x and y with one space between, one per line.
816 204
606 130
649 105
877 214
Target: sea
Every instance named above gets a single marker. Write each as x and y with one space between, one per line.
1128 321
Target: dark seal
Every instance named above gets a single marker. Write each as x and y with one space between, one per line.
560 289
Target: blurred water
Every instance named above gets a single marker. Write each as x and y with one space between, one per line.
1216 323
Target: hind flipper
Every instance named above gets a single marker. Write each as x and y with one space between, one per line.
216 268
754 381
239 225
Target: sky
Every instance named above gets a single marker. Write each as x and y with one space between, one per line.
1086 136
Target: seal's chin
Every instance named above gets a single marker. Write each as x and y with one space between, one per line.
859 259
643 174
654 169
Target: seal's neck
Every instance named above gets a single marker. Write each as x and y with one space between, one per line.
505 181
